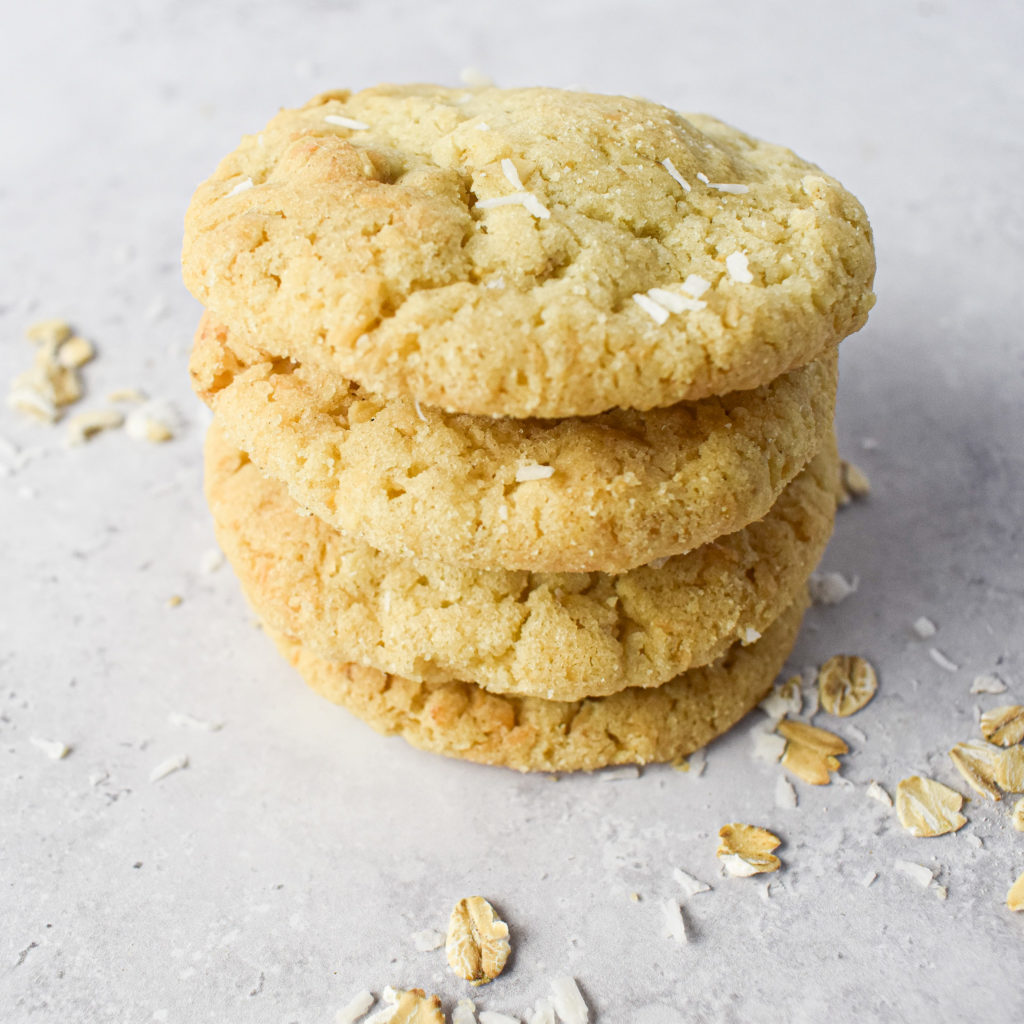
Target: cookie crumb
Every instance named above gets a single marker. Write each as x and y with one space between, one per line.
174 600
854 481
49 332
87 425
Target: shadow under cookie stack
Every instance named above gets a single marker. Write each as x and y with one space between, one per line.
522 442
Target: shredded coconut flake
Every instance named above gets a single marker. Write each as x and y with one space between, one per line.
942 661
689 884
346 122
620 774
53 749
924 627
493 1017
701 176
671 168
428 939
543 1013
731 188
674 302
532 471
830 588
915 872
696 285
168 767
355 1008
675 925
569 1004
187 721
483 126
785 794
658 313
511 174
242 186
876 792
475 78
868 879
212 559
988 683
525 199
768 745
464 1012
738 266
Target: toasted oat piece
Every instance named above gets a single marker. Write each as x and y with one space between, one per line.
928 808
846 683
1017 817
477 945
854 482
811 753
1015 897
976 761
1010 769
414 1007
747 850
1004 726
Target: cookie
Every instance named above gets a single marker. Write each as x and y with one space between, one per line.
634 726
605 493
557 636
528 252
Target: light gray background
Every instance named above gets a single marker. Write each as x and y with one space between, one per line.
287 867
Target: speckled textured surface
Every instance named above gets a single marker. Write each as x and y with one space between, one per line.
289 864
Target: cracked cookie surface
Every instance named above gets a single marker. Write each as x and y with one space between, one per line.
558 636
530 252
634 726
606 493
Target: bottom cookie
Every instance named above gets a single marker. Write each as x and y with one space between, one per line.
634 726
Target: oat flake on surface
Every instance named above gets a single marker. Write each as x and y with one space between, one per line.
976 761
1004 725
1010 769
1017 816
746 850
846 683
478 942
1015 897
928 808
811 753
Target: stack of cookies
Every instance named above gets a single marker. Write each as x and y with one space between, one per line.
522 443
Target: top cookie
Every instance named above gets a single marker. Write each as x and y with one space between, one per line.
527 252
